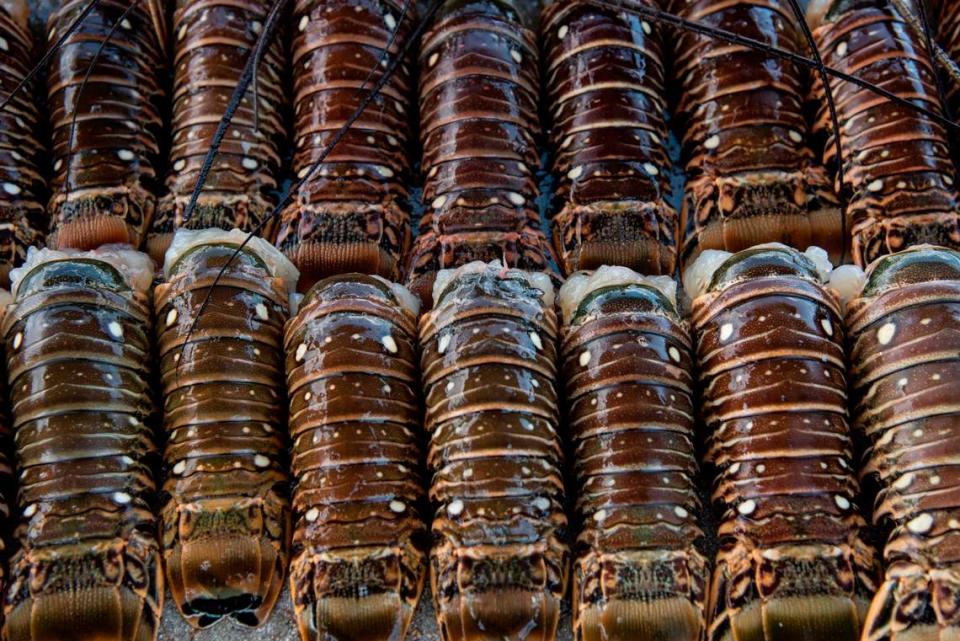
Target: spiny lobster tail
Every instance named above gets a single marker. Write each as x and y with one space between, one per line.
489 366
226 520
948 35
479 89
753 177
900 178
360 542
213 41
792 563
904 334
22 219
605 81
627 367
78 348
104 178
350 214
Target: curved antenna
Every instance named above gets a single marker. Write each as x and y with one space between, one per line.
730 37
294 188
243 84
83 85
834 120
49 54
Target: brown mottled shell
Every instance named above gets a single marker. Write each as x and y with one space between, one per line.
226 517
351 214
499 560
78 358
899 179
948 36
360 541
22 219
212 41
752 174
627 368
479 95
605 81
772 370
905 337
105 179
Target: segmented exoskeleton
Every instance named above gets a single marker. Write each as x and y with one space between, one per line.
605 81
904 340
479 89
351 214
627 369
22 220
792 563
360 538
752 176
948 35
213 39
898 173
105 125
489 362
226 519
78 357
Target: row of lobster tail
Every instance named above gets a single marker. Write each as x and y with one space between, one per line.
360 539
479 119
627 366
212 42
105 90
226 517
22 215
78 349
905 334
350 212
752 175
792 563
605 84
489 367
899 177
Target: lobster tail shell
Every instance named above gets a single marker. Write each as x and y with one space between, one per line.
605 79
499 563
899 178
360 540
213 40
904 340
627 366
22 217
752 175
351 213
479 89
104 168
78 348
226 521
772 367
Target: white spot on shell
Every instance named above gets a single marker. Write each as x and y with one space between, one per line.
390 344
439 202
261 461
647 29
312 515
516 55
18 340
876 185
304 21
563 31
674 354
249 163
171 317
180 467
390 21
747 507
398 506
726 331
122 498
115 329
712 142
535 339
795 136
842 48
31 510
585 358
256 27
434 57
179 165
444 343
455 508
516 198
262 312
575 173
125 155
651 169
681 512
12 189
301 352
921 524
542 503
885 333
827 326
841 502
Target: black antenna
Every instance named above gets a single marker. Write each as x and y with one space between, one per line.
664 17
369 98
249 72
83 85
49 54
834 121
